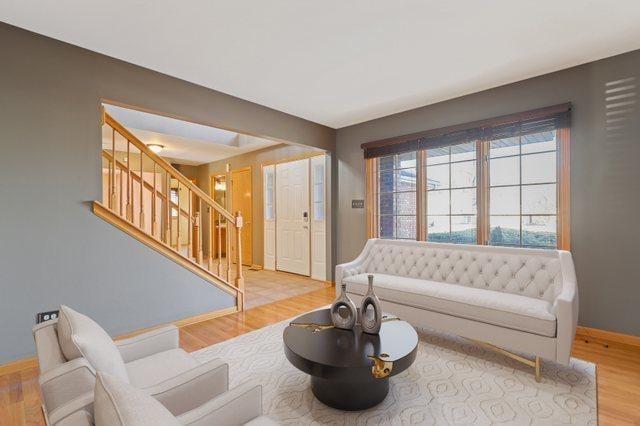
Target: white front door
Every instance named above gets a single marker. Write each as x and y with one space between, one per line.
292 213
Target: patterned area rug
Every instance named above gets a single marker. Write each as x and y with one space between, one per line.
452 381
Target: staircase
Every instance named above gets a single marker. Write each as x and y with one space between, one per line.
146 197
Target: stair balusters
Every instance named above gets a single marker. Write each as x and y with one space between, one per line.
156 214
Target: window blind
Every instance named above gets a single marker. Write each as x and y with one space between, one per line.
519 124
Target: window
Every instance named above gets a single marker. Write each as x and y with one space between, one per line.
269 196
522 191
397 183
501 182
318 191
451 193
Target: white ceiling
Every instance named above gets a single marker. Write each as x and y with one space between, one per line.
340 62
184 142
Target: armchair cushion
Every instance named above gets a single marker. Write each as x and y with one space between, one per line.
159 367
149 343
120 404
193 387
80 336
235 407
117 403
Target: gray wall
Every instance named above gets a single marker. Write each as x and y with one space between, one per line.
605 178
53 250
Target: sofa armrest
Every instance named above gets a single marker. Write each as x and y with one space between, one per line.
566 309
192 388
66 382
76 412
235 407
149 343
354 267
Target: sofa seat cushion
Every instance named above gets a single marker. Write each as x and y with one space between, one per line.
154 369
488 306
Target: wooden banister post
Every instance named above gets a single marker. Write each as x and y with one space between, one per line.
112 169
198 225
210 236
239 278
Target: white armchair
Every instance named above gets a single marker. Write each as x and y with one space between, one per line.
71 353
117 402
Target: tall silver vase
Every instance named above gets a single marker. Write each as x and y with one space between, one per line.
371 320
344 311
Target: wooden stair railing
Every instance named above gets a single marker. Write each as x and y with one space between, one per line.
148 198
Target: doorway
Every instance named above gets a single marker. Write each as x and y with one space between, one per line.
241 200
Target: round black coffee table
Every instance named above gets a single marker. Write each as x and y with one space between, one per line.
349 369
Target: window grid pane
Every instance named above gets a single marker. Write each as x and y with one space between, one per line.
522 191
451 176
397 183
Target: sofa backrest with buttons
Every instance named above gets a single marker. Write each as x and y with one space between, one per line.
534 273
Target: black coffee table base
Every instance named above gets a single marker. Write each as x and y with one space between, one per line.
348 395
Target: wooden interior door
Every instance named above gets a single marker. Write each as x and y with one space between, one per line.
241 200
292 217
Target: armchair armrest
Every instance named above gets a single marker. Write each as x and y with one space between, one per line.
149 343
76 412
566 309
66 382
192 388
235 407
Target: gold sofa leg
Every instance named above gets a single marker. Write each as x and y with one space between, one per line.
535 364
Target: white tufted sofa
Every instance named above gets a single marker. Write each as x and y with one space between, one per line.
520 299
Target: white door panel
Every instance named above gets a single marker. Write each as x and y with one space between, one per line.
292 213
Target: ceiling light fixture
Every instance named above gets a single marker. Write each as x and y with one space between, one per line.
155 147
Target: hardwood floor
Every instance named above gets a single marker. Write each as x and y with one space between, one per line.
262 287
618 364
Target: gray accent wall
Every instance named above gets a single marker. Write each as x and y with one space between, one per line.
53 249
605 176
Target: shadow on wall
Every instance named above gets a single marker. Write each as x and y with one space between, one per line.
620 108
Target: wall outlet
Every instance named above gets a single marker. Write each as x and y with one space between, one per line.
46 316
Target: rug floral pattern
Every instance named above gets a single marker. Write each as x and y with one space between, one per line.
452 381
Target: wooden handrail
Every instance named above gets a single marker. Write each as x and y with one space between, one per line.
105 213
158 227
147 185
168 167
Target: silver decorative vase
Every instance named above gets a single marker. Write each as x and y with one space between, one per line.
343 311
371 320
